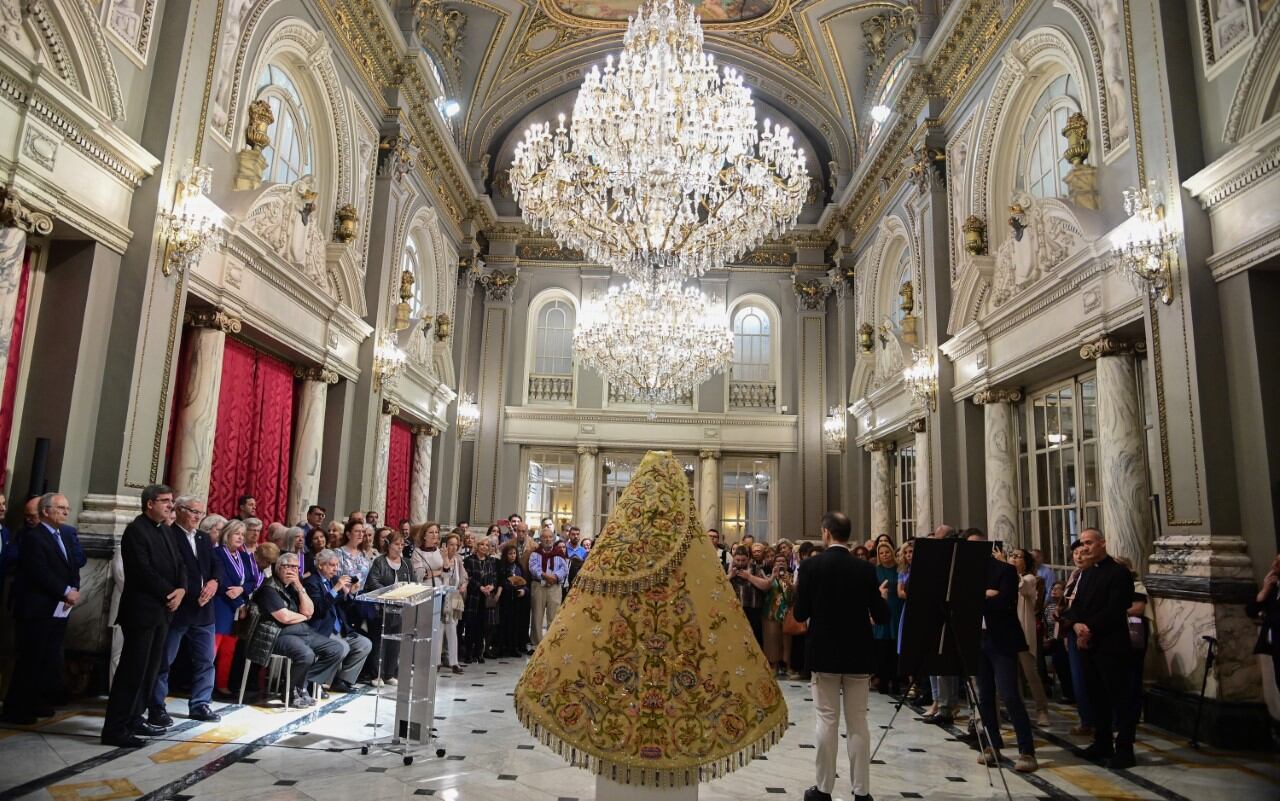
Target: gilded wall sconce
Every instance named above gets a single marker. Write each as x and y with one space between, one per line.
975 235
444 327
348 223
866 338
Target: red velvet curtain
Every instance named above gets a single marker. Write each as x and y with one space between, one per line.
399 472
254 433
13 367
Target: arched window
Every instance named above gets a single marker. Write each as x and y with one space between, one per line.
410 264
895 311
553 348
753 380
882 96
289 154
752 352
1044 170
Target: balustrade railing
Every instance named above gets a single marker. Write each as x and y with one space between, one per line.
550 388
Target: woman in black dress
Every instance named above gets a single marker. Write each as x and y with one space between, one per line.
512 602
483 596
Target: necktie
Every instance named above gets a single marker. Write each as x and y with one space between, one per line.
57 537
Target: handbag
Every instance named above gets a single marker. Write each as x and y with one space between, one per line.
792 627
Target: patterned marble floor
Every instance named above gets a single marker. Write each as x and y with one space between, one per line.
274 755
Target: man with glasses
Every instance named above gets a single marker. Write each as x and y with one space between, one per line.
315 656
156 586
47 590
193 619
315 519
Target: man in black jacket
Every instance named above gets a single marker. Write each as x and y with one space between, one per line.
46 590
329 592
156 581
1099 618
838 595
1002 640
193 619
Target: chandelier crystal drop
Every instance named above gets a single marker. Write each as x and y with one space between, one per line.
654 342
662 170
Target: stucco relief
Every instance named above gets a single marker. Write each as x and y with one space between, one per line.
284 215
1045 233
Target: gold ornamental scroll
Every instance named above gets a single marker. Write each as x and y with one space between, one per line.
650 675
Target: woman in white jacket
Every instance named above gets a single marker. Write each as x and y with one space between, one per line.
1030 596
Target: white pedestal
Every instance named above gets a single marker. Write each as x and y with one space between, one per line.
607 790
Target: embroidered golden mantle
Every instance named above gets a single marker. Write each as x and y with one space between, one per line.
649 674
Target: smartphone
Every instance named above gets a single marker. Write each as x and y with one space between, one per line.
997 545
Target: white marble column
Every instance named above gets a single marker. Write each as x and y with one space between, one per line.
308 439
381 458
1122 465
923 500
585 513
420 482
196 402
881 488
709 488
16 221
1000 448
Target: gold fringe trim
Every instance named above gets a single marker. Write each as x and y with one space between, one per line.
633 775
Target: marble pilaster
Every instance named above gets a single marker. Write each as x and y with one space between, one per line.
16 221
585 512
1000 449
709 487
924 476
196 402
420 481
881 488
381 458
308 439
1122 464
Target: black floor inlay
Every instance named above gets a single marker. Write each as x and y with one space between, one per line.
456 757
285 783
497 711
955 778
424 791
916 750
506 777
524 748
479 731
249 760
375 770
877 762
477 685
807 745
338 712
566 798
912 795
778 790
440 717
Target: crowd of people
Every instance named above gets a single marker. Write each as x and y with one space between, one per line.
232 592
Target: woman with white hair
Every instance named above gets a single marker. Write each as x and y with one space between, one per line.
213 525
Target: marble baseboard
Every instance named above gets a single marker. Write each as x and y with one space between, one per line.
1223 724
1206 589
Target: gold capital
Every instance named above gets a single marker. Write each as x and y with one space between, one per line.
918 425
1107 345
213 318
997 395
316 372
390 407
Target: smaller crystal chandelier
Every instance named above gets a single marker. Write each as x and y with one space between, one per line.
654 343
188 230
468 416
1150 249
833 428
388 361
921 377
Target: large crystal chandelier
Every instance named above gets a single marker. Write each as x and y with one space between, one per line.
663 170
654 342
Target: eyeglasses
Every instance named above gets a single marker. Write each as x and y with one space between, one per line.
287 565
190 511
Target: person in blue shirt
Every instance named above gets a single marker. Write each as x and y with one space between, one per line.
329 593
548 571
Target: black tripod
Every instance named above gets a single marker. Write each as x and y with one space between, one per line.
948 651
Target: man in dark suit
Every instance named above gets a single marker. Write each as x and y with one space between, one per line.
1099 618
32 517
315 519
838 595
155 584
1002 640
193 619
48 588
329 592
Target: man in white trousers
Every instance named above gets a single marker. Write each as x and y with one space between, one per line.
838 595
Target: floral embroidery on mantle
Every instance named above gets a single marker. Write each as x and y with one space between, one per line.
287 218
1044 234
